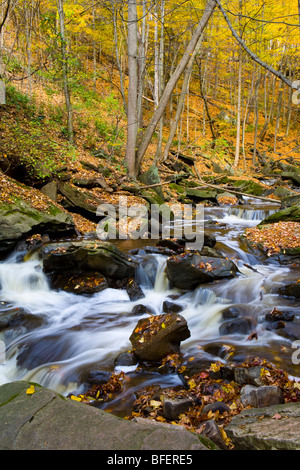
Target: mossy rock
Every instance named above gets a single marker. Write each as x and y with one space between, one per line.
19 220
249 187
290 214
176 187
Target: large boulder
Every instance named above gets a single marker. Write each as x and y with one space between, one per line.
19 220
188 270
155 337
45 420
81 256
274 427
289 214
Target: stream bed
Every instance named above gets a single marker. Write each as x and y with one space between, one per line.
69 337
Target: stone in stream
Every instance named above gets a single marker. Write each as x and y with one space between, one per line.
188 270
84 256
258 397
242 326
133 290
155 337
81 283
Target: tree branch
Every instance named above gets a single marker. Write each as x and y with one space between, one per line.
254 56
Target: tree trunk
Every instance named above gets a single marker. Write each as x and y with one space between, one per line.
60 7
132 90
186 79
210 6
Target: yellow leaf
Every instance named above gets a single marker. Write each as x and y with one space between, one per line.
30 390
155 403
73 397
142 339
163 325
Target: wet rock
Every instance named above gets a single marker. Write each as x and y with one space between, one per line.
148 269
188 270
140 309
18 317
155 337
170 307
230 312
242 326
126 359
174 406
83 256
95 377
290 290
174 244
80 284
276 315
133 290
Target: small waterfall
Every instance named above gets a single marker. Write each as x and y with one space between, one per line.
249 214
161 280
17 279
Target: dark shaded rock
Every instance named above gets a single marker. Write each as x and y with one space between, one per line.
292 176
155 337
18 317
140 309
170 307
276 315
188 270
126 359
211 430
95 377
133 290
219 406
230 312
102 257
242 325
81 283
174 406
80 200
290 290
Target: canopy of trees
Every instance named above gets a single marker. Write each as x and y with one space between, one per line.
170 66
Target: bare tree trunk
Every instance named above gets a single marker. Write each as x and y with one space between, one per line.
117 55
130 156
60 7
210 6
186 79
161 76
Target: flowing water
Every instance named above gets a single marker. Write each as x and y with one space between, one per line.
66 336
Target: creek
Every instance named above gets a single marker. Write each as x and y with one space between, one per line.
76 335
